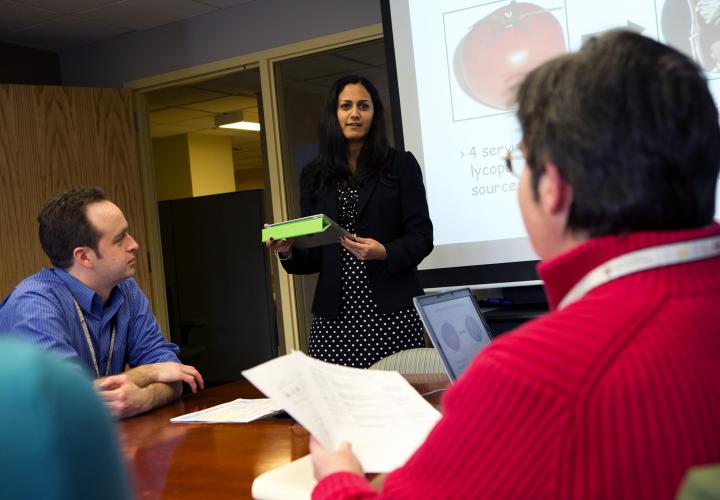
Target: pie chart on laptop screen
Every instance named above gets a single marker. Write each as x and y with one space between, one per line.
450 336
474 329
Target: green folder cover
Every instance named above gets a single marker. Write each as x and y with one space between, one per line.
306 232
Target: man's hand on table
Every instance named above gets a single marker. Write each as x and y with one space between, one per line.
166 373
145 387
170 372
122 396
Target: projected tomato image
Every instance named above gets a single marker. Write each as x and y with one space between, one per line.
450 336
503 47
693 26
474 329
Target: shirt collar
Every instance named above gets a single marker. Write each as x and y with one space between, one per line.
561 273
87 298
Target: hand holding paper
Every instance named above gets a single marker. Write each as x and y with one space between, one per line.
378 412
326 462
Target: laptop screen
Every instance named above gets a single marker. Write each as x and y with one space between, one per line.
456 327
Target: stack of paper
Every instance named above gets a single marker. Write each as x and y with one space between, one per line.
378 412
237 411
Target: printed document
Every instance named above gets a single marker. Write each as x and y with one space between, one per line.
378 412
237 411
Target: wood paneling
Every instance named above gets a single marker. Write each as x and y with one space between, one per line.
55 138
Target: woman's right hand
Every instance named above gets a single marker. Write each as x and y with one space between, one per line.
282 247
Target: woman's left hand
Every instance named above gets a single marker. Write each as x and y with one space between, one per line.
364 248
326 462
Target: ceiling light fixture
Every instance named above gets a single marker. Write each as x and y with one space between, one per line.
235 120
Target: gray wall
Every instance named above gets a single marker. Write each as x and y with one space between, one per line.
251 27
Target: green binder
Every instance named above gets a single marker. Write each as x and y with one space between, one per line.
306 232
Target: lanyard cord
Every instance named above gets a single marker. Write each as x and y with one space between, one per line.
642 260
88 339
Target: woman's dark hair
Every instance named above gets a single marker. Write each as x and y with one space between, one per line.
630 124
331 166
64 225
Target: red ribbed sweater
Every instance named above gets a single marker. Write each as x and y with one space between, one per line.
614 396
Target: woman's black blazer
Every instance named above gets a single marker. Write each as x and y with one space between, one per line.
393 213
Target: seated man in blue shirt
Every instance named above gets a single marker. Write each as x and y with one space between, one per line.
90 310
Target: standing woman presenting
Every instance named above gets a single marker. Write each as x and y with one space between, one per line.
363 307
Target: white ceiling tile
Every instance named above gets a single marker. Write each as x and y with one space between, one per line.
205 122
145 14
179 96
245 81
226 104
161 131
251 115
63 33
14 16
68 6
174 115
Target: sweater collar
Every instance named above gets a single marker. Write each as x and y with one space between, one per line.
561 273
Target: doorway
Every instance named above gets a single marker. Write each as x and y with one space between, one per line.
278 203
209 158
302 84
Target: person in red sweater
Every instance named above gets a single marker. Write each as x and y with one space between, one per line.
616 392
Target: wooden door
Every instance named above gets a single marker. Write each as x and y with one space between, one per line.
51 139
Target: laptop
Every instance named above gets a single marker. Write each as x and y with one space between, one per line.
455 326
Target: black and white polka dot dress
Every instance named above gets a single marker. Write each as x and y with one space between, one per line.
361 334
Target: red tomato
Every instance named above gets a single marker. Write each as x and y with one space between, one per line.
502 48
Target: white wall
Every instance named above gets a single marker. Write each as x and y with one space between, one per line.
251 27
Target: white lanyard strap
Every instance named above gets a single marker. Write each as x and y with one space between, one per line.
642 260
88 339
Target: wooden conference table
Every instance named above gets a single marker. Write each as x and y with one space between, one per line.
212 461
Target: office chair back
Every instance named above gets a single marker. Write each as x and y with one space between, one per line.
411 361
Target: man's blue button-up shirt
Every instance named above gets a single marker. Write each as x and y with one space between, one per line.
41 310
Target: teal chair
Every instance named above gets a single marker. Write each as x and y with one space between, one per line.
57 440
412 361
